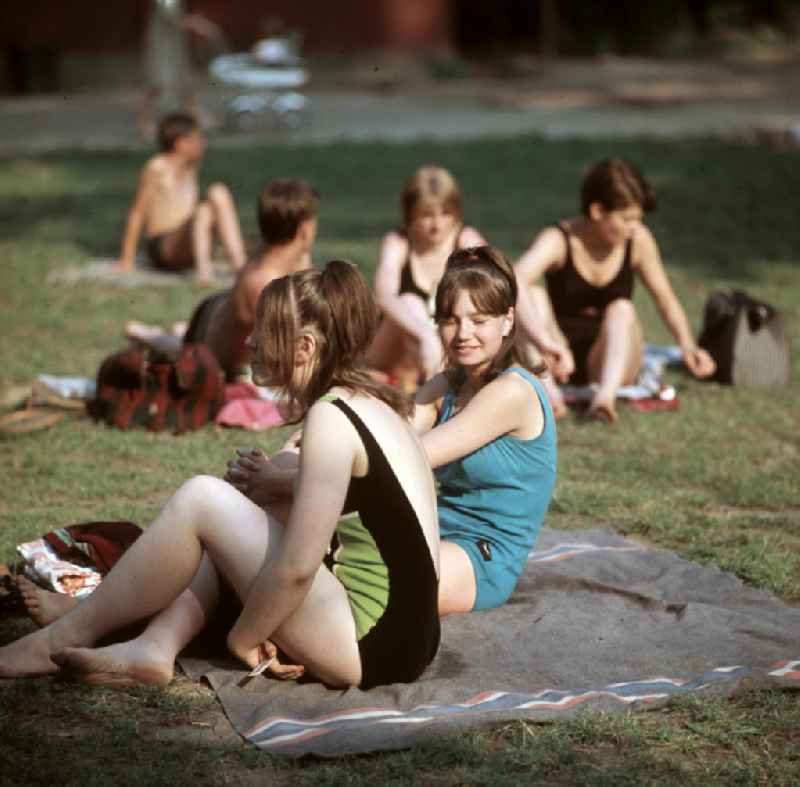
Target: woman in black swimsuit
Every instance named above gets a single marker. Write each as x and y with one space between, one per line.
352 600
411 262
585 323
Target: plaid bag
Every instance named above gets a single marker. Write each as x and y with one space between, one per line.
137 387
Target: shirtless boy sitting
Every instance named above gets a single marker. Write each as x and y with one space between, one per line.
287 219
180 228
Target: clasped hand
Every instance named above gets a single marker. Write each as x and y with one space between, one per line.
260 477
248 472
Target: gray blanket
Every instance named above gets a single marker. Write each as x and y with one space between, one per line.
595 622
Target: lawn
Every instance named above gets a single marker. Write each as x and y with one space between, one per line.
717 482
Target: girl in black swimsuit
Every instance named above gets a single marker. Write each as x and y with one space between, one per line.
412 260
585 323
364 615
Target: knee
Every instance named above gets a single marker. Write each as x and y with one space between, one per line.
620 311
218 193
195 496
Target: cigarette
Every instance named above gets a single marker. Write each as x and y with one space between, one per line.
261 667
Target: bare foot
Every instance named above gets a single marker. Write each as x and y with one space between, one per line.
141 331
43 606
602 411
27 656
117 666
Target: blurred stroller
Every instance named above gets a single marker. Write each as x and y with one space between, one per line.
270 76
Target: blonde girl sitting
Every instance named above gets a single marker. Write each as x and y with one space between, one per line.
411 263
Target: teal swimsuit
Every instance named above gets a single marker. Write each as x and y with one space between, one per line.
492 502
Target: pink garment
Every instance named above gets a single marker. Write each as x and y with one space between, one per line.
245 409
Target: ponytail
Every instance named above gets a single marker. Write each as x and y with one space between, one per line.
336 304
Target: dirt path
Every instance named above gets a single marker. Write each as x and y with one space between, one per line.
605 97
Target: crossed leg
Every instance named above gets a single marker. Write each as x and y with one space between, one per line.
206 523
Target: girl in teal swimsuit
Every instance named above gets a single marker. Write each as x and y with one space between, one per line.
345 613
489 434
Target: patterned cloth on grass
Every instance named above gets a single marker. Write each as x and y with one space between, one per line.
596 621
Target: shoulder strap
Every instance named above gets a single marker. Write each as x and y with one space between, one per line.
565 233
627 260
370 443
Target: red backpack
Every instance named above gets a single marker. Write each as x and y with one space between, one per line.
137 387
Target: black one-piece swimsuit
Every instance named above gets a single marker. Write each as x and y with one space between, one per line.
405 636
579 306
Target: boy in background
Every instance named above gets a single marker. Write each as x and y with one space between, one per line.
287 219
178 226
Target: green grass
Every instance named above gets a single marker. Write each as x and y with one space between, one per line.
716 482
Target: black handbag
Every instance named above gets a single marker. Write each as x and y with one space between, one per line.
746 339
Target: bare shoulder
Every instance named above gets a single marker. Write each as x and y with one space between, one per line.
325 423
251 283
394 242
469 236
156 165
512 385
547 251
644 247
511 389
257 274
512 399
553 240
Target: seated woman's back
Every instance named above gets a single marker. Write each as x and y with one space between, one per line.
406 457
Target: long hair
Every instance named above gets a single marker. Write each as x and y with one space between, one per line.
489 279
335 305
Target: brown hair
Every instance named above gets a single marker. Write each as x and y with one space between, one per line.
336 305
282 206
174 126
489 279
430 184
616 184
